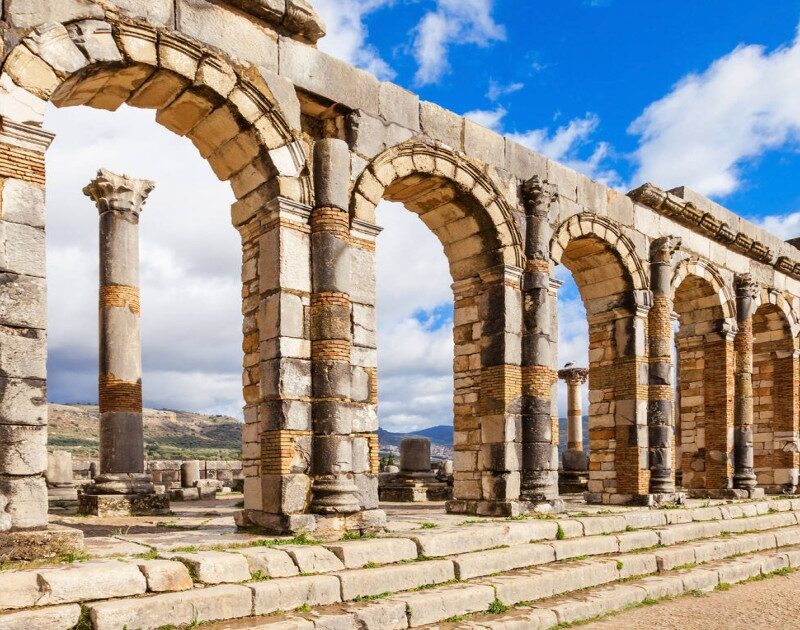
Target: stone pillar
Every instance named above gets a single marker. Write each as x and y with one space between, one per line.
539 452
744 477
122 479
415 457
333 489
574 458
190 474
661 389
59 470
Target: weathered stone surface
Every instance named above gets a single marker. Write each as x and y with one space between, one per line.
28 13
291 593
381 615
226 601
53 617
313 559
165 575
356 553
589 546
156 12
215 567
479 563
22 249
274 563
23 449
600 602
25 504
445 602
101 579
442 125
19 589
391 579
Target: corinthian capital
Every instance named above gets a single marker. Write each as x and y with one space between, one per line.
663 249
746 295
539 196
121 193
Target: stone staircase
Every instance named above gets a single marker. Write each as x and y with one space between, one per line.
460 573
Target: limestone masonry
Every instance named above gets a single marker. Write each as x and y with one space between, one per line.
310 145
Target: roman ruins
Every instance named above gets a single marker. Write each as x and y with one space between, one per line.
310 146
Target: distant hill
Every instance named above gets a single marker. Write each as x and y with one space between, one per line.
440 436
167 434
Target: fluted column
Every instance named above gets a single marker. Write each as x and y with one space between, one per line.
333 489
119 200
661 389
539 453
574 459
746 293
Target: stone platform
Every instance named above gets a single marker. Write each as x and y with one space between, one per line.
123 504
52 542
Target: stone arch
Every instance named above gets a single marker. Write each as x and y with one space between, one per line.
587 224
775 394
453 197
613 286
231 115
704 349
782 304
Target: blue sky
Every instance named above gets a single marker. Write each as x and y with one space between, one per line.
705 94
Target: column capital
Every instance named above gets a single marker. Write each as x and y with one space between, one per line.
539 196
746 295
663 249
574 375
121 193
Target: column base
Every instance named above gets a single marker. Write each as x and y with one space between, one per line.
726 493
112 505
416 492
504 508
645 500
322 525
39 544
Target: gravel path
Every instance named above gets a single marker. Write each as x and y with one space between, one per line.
772 603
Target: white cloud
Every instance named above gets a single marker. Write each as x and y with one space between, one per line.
784 226
452 22
711 123
347 34
496 89
489 118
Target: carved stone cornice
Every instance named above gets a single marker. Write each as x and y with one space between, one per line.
539 196
705 223
119 193
297 17
663 249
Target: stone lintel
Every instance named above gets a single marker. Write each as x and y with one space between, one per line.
29 137
282 209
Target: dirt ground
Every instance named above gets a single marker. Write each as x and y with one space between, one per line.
768 604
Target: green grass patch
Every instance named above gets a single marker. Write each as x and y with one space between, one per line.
428 525
688 565
372 598
358 536
259 576
497 608
722 586
560 535
473 521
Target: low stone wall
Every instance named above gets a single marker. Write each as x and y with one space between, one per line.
167 472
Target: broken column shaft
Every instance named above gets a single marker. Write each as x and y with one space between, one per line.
574 458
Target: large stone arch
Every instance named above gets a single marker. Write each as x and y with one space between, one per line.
476 225
613 285
232 116
704 346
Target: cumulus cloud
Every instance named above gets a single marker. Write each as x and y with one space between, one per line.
713 122
452 22
347 34
497 89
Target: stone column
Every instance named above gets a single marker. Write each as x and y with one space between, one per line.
333 488
539 453
661 389
746 294
574 459
119 200
415 458
190 473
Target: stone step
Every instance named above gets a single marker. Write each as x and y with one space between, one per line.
605 600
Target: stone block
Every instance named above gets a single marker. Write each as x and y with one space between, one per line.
25 14
95 40
177 609
442 125
589 546
291 269
22 249
593 525
19 589
399 106
215 567
435 605
529 619
391 579
52 618
462 540
480 563
291 593
284 96
155 12
23 202
23 301
739 570
668 559
23 449
25 507
165 575
274 563
381 615
122 505
700 580
366 136
18 104
327 76
636 564
630 541
230 31
102 579
356 553
313 559
484 144
599 603
367 491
